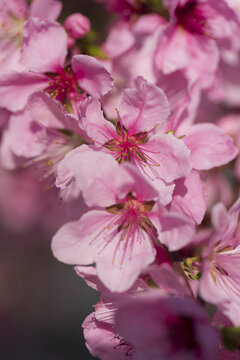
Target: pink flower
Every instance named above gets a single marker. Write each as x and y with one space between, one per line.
99 331
220 282
42 135
166 328
12 17
119 235
136 138
189 42
100 334
44 51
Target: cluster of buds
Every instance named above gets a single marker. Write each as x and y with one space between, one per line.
142 132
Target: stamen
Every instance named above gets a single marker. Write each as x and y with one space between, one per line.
63 86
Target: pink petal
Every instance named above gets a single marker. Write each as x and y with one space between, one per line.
131 180
170 155
93 122
23 134
172 51
118 267
189 198
96 175
213 291
183 97
144 107
89 274
101 340
10 55
47 111
47 10
168 280
119 40
165 191
142 310
232 311
44 46
225 223
174 230
74 242
178 49
17 8
210 146
147 24
91 75
15 88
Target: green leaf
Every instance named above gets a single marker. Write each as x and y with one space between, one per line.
231 337
96 51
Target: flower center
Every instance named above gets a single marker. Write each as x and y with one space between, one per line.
129 147
63 86
133 213
11 29
191 18
126 148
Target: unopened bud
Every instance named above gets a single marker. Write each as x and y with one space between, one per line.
77 25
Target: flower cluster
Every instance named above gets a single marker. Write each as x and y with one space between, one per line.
138 132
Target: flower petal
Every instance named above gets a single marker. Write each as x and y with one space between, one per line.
74 242
15 88
123 259
47 10
95 173
189 198
167 157
209 146
91 75
44 46
91 119
144 107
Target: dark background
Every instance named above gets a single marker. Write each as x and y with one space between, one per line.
42 301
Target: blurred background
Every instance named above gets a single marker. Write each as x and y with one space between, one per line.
42 301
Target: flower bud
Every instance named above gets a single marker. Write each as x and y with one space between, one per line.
77 25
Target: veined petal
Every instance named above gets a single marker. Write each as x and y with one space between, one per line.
174 230
93 122
209 146
211 287
74 242
15 88
46 111
96 175
131 180
172 50
123 259
170 157
44 46
91 75
189 198
144 107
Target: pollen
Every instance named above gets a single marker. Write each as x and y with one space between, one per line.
63 86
